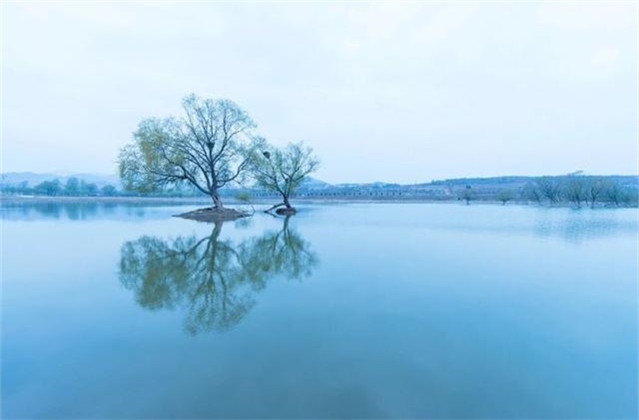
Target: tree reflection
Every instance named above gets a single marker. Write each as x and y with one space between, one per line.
214 280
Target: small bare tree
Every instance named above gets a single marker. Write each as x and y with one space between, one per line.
467 194
549 188
575 188
505 195
531 192
208 147
595 187
614 193
283 170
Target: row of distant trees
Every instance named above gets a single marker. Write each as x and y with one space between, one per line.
73 187
580 190
576 189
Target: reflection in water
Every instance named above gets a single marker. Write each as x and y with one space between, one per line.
573 226
580 225
84 210
214 280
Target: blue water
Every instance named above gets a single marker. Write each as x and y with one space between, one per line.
342 311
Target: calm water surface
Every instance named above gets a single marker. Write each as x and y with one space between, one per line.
343 311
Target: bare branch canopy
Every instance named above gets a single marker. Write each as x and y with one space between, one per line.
283 170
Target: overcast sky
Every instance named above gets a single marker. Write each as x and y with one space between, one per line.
399 92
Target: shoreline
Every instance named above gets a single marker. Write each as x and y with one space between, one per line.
124 200
231 201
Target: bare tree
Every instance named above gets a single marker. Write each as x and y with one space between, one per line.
549 188
208 147
574 189
467 194
505 195
614 193
531 192
283 170
595 187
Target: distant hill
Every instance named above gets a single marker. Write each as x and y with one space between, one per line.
313 183
368 185
521 180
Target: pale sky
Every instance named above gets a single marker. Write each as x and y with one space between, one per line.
387 91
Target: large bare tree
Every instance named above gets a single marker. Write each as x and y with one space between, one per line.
283 170
207 147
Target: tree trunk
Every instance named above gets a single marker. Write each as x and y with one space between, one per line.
217 203
215 234
274 207
287 203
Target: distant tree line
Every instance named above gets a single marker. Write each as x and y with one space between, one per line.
73 187
576 190
580 190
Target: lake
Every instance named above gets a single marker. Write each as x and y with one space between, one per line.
342 311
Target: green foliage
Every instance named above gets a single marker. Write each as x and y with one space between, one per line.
48 188
72 186
141 163
244 197
108 191
90 189
208 147
505 195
